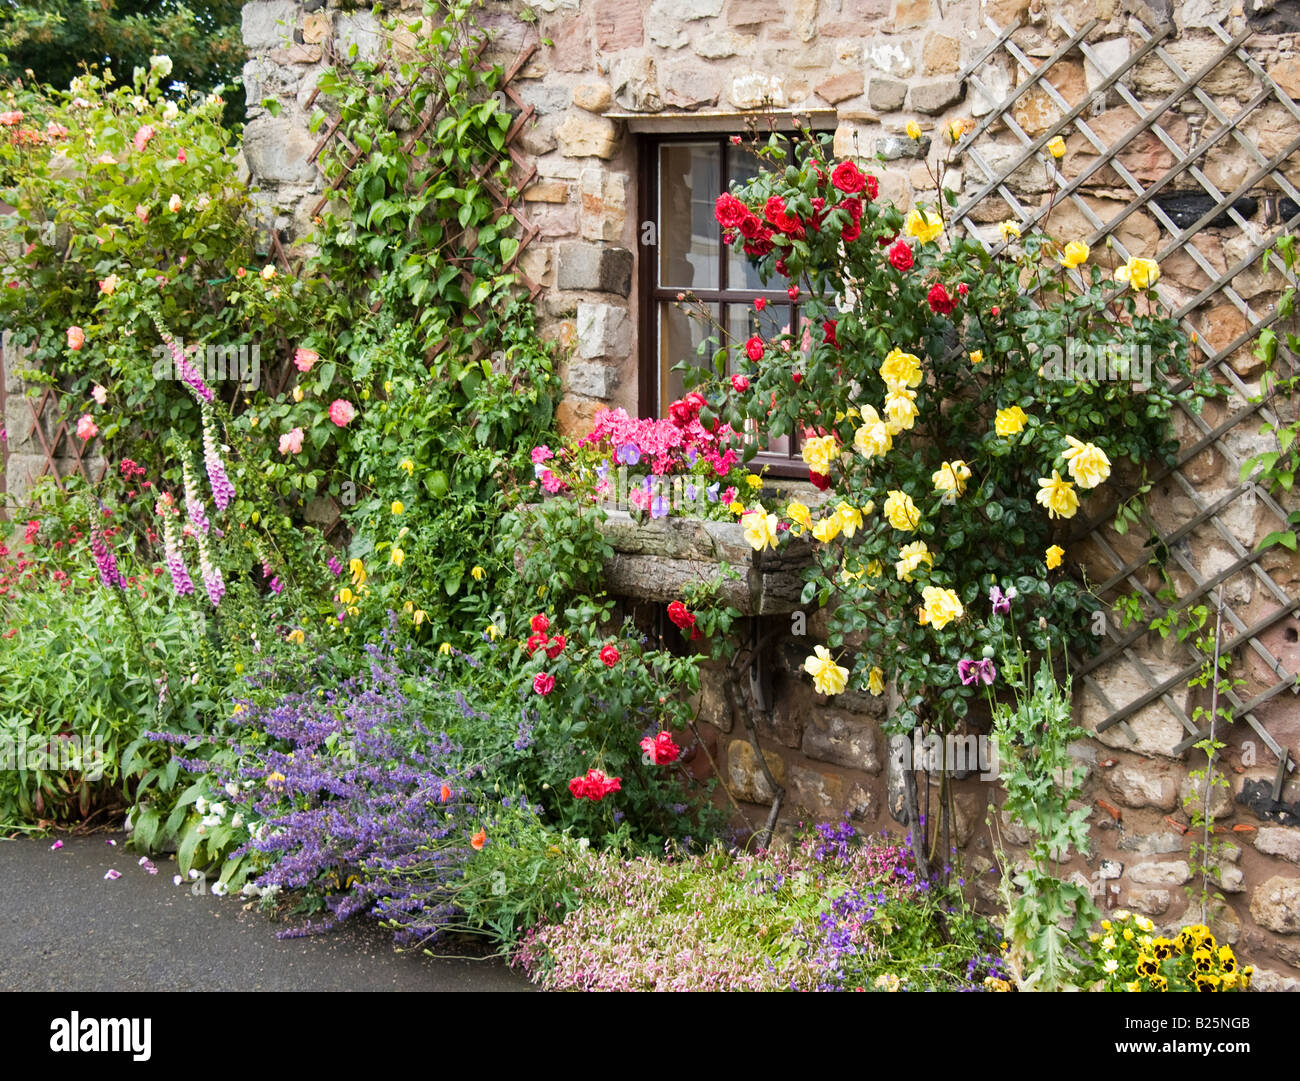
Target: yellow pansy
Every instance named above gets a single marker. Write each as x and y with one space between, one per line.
901 369
760 529
798 514
900 407
951 477
876 681
396 506
1054 556
1139 273
408 465
913 130
901 511
1058 496
754 481
941 606
828 677
358 572
1009 229
1075 254
819 452
1088 463
1056 146
911 556
923 226
977 357
827 529
396 557
1010 421
850 518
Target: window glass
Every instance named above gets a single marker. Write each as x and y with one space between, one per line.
689 239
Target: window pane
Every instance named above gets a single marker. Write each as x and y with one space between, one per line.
742 323
689 237
741 166
679 338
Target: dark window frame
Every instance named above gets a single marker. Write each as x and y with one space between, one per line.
650 295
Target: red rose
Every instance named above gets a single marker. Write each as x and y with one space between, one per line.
540 624
775 212
996 311
679 614
961 289
543 683
848 178
885 241
793 292
760 303
828 328
900 255
609 655
850 232
661 750
782 269
750 226
535 642
873 187
754 348
940 302
797 377
729 211
853 205
739 384
819 480
686 409
555 648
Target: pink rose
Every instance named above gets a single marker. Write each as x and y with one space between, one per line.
180 155
142 212
100 394
108 286
76 338
342 412
303 359
142 137
174 203
291 442
86 428
543 683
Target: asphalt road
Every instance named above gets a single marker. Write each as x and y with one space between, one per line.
64 927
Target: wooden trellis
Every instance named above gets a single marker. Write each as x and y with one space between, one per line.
1262 205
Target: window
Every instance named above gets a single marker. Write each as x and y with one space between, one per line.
682 178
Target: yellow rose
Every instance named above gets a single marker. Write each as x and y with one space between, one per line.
1139 273
827 529
876 681
396 557
798 514
297 394
874 568
396 507
901 511
900 408
268 272
977 357
901 369
957 128
951 477
760 529
828 677
1009 229
1075 254
1056 146
914 130
1088 463
924 227
408 465
873 438
850 518
911 556
1010 421
941 606
1058 496
819 452
1054 556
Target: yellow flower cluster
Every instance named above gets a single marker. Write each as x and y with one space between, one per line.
820 452
924 227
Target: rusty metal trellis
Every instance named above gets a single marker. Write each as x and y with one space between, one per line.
1230 284
506 202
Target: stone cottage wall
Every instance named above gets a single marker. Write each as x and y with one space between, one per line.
874 64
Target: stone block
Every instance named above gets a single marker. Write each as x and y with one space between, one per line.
941 55
1166 873
362 29
746 776
604 330
893 147
757 90
690 86
847 84
594 97
1156 729
1283 841
843 740
1275 904
1144 784
636 84
604 202
591 379
765 13
822 793
266 24
618 24
1036 111
886 95
1150 902
682 11
574 417
595 268
721 44
582 135
277 148
936 95
861 804
571 45
910 13
547 191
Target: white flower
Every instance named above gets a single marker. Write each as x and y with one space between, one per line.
177 880
218 809
584 844
1111 965
170 112
201 805
232 789
210 821
202 828
219 889
194 873
139 104
162 64
237 821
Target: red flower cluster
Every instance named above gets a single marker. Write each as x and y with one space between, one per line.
940 302
609 655
29 533
775 212
594 786
661 750
900 256
539 639
686 409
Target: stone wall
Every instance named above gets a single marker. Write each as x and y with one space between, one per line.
874 65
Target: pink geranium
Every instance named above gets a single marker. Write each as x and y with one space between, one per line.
86 427
291 441
342 412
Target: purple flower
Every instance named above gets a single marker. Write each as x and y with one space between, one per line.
222 490
335 567
629 454
1000 601
982 671
104 560
712 491
180 574
193 504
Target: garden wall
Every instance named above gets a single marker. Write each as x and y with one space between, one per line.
606 75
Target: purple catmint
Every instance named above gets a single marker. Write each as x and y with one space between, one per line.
108 572
222 490
193 504
212 580
175 561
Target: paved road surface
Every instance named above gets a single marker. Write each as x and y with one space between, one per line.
63 927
